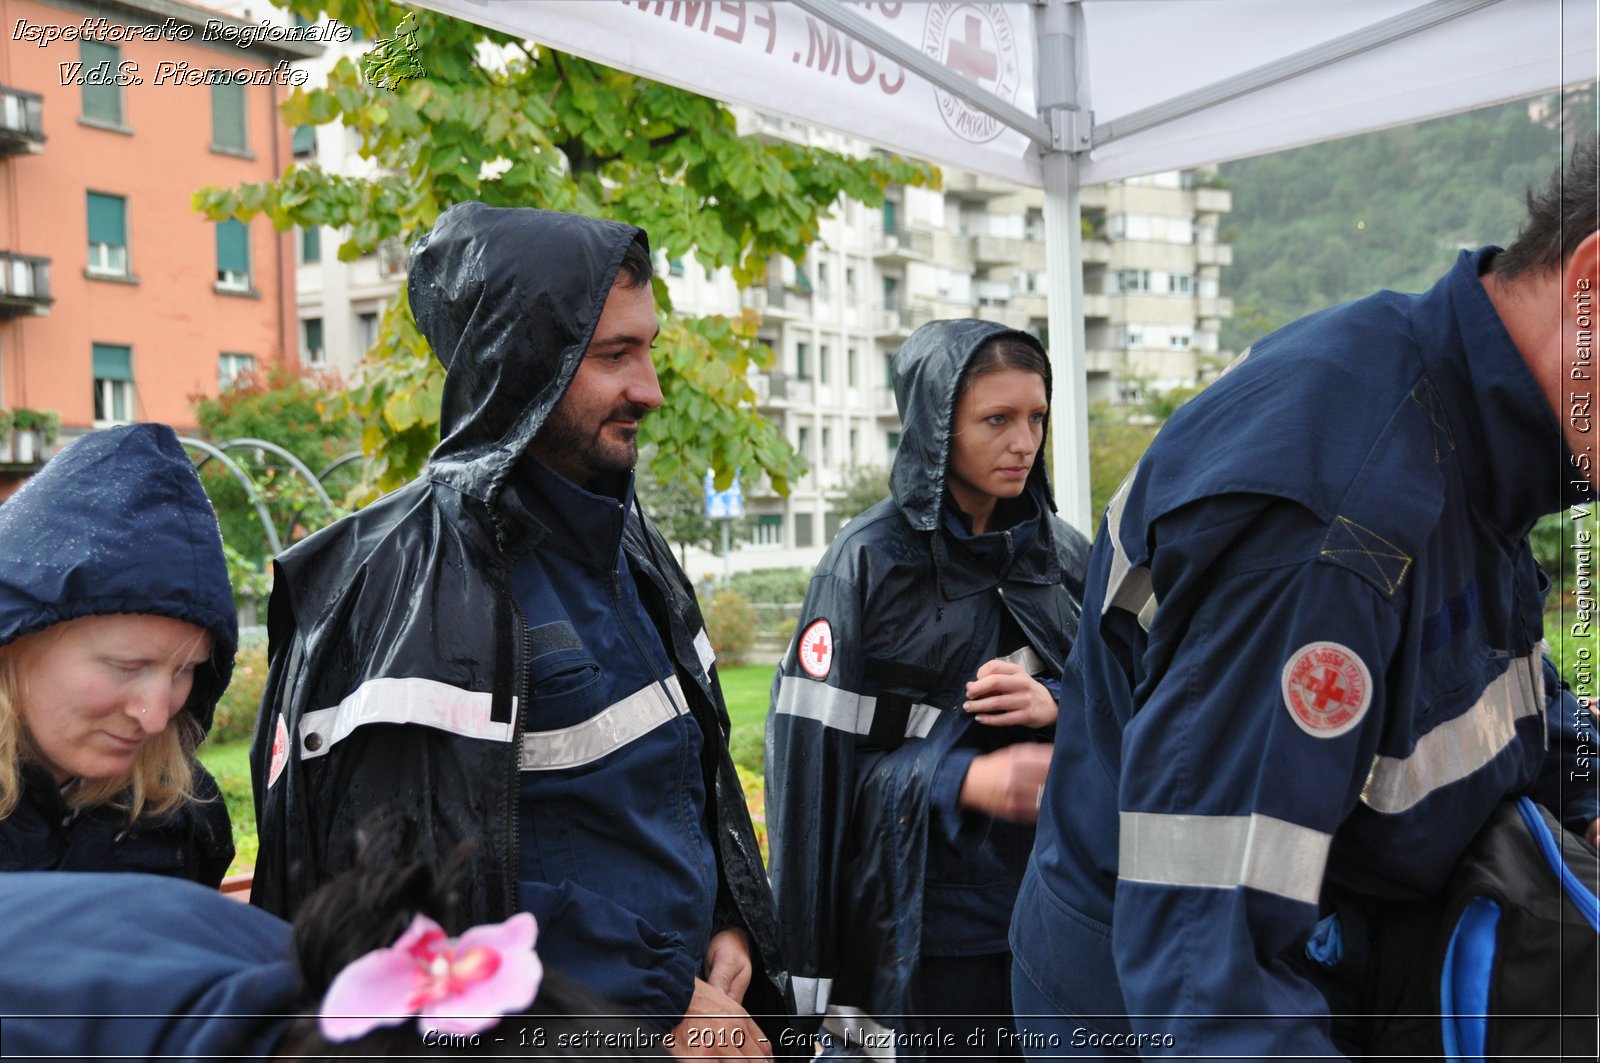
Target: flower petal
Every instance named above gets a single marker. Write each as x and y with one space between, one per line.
509 991
370 993
421 926
515 934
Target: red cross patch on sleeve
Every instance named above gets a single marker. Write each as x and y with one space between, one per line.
1327 689
816 649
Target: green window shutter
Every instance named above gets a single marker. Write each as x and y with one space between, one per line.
233 246
101 102
112 362
311 244
890 209
305 140
227 117
108 219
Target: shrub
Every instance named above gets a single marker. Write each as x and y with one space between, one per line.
731 626
773 584
235 718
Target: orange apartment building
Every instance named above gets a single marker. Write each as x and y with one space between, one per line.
118 302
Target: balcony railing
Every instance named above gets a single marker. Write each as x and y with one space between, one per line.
21 122
24 284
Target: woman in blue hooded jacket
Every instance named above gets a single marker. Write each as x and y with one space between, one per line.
908 736
117 637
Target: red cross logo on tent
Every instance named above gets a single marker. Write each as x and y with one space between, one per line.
816 649
969 57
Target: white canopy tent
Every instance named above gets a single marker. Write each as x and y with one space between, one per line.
1058 93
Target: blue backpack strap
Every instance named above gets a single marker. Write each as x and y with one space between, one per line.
1464 986
1582 897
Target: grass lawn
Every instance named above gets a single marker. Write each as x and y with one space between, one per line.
746 689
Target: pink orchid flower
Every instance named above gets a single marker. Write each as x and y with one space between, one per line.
463 985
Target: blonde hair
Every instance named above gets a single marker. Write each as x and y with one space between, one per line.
160 779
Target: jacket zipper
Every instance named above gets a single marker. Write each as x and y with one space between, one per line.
514 789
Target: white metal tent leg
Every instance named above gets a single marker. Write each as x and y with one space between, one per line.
1069 405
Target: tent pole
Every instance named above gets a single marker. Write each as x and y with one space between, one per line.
1058 25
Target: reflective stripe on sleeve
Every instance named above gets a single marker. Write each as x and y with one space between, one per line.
615 726
843 710
811 994
1457 748
1223 852
702 647
1128 587
425 702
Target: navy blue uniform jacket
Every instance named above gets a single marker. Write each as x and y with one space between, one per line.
1310 668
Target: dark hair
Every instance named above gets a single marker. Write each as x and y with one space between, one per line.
1006 351
371 905
1559 220
636 269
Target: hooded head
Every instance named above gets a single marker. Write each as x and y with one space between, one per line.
115 526
927 373
509 299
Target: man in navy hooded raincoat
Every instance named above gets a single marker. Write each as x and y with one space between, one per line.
505 650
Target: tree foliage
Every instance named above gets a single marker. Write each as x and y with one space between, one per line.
1331 222
863 487
509 123
290 410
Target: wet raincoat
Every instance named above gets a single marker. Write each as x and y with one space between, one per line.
866 705
399 652
118 523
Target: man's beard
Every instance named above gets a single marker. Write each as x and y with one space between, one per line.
582 453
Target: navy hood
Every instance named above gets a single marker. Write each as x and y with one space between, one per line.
131 966
508 297
927 369
118 523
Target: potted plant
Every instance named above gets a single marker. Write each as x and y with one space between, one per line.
48 425
23 422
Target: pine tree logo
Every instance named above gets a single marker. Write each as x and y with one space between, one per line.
394 60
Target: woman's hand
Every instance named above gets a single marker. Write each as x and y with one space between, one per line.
1004 695
1008 783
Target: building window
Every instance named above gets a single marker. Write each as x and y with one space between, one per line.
850 282
233 256
1133 280
102 101
824 356
854 457
831 522
888 371
367 330
827 448
800 352
1133 337
113 383
108 235
1180 283
891 212
675 267
311 244
233 366
311 352
229 130
850 367
802 445
305 141
893 439
802 529
768 530
1180 340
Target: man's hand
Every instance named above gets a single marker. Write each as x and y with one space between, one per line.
728 965
1004 695
716 1026
1007 784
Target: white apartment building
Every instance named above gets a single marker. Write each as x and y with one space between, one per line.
1152 306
